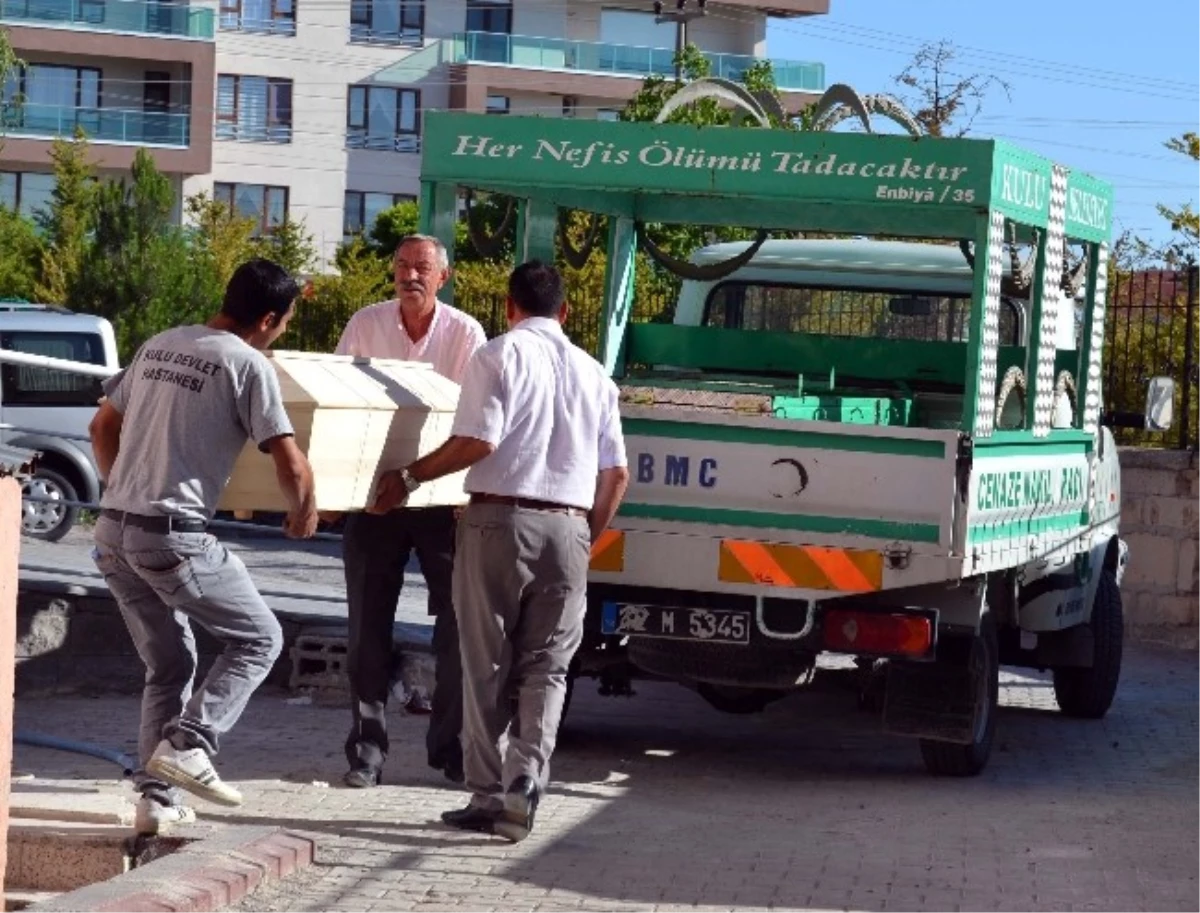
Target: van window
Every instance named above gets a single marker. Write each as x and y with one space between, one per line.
870 313
21 385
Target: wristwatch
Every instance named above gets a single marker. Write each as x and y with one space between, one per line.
410 483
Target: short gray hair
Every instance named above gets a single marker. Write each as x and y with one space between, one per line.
443 258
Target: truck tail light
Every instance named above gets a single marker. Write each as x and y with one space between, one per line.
874 632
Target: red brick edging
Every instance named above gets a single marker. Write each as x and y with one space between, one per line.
200 877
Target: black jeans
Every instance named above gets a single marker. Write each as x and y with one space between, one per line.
375 550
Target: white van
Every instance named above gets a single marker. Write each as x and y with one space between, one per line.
48 411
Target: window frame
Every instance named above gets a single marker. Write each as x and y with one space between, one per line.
364 141
233 10
264 227
488 109
362 31
397 199
274 129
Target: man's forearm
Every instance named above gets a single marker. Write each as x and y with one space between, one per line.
296 482
105 447
455 455
610 489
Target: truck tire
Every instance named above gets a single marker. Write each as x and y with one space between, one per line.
950 759
1087 693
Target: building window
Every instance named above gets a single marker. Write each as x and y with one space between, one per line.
29 193
362 209
497 104
493 16
55 99
387 21
266 205
254 109
384 119
608 114
277 17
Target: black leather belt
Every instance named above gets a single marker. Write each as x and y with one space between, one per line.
529 504
159 524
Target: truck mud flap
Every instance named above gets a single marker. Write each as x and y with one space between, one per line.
932 701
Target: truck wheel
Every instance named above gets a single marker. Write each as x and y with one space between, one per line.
981 654
44 519
1088 692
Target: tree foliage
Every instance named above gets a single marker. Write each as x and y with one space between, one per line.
67 223
10 63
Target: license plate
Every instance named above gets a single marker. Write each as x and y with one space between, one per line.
729 626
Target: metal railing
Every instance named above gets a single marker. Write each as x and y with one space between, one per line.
1150 330
147 17
622 59
117 125
254 133
233 22
357 138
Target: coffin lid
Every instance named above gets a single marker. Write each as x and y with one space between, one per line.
320 380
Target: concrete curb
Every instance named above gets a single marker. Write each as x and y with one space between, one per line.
205 875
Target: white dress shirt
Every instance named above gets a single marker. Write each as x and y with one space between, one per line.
377 331
549 410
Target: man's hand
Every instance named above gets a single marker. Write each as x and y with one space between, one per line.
301 524
390 493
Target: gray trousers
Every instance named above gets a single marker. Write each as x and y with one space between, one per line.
520 585
162 583
375 550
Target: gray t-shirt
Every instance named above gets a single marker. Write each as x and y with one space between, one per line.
190 398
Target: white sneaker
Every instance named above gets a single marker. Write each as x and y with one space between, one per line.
153 817
191 770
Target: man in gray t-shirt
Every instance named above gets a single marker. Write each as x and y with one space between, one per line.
166 439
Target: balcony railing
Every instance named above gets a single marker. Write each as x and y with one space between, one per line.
147 17
255 133
358 138
619 59
236 22
114 125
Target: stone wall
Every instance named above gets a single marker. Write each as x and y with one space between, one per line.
1159 492
10 542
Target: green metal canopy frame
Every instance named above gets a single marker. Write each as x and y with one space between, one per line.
850 184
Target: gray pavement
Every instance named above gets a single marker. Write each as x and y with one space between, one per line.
660 802
300 578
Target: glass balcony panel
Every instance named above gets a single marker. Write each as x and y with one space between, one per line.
147 17
115 125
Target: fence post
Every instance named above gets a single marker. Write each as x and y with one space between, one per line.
1189 357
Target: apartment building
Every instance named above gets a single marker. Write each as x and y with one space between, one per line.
313 108
130 73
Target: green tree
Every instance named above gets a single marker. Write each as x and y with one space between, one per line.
10 64
487 214
290 245
1184 221
20 255
68 221
221 239
329 301
943 102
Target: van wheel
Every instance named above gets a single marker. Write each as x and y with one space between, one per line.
44 518
1088 693
981 655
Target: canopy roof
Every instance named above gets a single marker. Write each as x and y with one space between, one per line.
836 182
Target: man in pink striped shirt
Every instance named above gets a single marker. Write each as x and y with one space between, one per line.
414 326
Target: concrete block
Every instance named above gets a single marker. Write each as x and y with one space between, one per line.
1170 513
1186 482
1188 578
1151 562
1148 482
1152 609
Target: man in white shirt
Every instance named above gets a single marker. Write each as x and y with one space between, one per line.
414 326
539 426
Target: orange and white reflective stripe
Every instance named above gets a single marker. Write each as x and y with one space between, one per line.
810 567
608 552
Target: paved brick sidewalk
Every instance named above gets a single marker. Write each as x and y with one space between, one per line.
661 802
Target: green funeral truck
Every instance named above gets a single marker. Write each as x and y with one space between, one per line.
882 442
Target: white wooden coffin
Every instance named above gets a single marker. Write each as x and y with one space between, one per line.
354 418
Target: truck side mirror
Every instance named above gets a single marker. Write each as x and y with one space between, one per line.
1160 404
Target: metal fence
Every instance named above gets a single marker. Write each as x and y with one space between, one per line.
1150 330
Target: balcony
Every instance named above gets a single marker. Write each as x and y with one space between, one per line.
141 17
359 138
105 125
617 59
